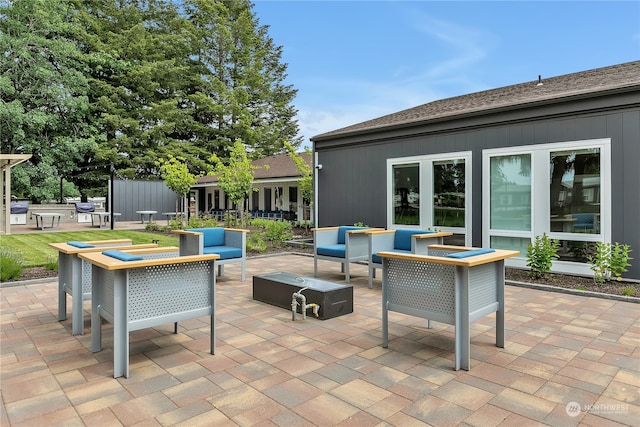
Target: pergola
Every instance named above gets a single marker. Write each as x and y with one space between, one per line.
7 161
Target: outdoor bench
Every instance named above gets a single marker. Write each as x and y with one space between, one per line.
134 293
453 285
229 243
74 275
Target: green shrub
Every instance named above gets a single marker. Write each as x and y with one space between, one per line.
278 232
256 243
540 255
203 222
609 260
628 291
10 265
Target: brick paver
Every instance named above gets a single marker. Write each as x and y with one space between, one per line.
568 360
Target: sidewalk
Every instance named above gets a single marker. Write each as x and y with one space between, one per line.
568 360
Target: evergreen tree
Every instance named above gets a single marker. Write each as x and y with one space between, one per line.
240 93
139 52
44 108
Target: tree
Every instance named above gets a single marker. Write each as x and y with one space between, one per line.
140 67
240 93
306 173
235 176
177 177
44 107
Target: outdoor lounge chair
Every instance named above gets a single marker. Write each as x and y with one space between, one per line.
399 240
343 244
229 243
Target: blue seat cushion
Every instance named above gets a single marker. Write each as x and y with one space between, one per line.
342 230
211 236
474 252
402 238
338 251
80 244
225 252
122 256
378 259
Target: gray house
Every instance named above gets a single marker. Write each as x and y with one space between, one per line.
497 168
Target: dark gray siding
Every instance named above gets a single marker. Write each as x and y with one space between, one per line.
352 183
130 196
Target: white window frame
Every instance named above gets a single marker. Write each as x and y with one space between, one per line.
425 164
540 200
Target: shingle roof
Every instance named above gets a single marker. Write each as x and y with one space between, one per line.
620 76
280 166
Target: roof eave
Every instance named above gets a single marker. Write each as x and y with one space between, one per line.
476 113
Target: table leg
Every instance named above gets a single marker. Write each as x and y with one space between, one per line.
212 297
64 271
77 297
500 312
462 332
96 320
385 305
120 326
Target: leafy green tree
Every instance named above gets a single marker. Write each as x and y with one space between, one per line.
177 177
44 104
235 176
240 93
306 173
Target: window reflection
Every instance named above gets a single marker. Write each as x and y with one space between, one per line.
448 193
575 191
511 192
406 194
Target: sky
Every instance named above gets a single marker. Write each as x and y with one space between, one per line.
353 61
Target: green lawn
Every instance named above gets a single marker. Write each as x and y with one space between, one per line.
35 251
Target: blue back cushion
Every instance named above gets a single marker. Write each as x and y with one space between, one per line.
474 252
583 218
122 256
211 236
402 239
342 230
80 244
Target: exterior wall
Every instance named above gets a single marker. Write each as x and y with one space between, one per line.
351 186
137 195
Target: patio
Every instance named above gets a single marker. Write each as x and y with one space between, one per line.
568 360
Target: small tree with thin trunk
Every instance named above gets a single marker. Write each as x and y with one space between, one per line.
235 176
306 173
177 177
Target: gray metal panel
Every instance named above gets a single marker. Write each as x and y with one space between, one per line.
137 195
352 183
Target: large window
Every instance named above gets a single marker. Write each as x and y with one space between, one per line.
431 192
510 194
554 189
449 193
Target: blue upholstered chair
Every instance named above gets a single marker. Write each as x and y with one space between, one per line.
400 240
229 243
343 244
584 222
